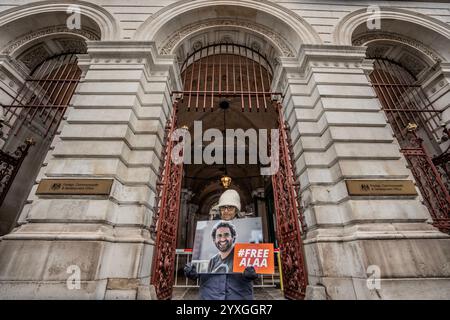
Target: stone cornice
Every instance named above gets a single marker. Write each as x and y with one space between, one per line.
435 74
12 69
144 52
330 52
328 55
127 49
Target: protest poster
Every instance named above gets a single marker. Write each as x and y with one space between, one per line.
214 242
258 255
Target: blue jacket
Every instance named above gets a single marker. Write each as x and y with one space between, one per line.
221 286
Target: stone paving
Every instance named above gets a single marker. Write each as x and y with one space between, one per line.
259 293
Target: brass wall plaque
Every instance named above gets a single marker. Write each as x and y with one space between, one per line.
381 188
96 187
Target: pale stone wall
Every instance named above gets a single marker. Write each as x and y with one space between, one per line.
339 132
114 129
322 15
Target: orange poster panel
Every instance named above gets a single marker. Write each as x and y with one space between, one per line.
258 255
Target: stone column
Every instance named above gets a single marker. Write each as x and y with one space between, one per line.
114 129
339 132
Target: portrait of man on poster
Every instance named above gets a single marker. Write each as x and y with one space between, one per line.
224 237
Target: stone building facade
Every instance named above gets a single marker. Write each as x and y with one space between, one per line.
130 53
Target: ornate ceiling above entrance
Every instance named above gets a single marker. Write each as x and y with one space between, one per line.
365 39
410 53
86 33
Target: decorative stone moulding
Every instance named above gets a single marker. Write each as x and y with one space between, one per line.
135 52
54 30
343 32
13 69
153 28
366 38
330 55
101 17
35 56
281 43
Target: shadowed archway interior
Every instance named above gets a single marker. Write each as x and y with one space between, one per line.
241 77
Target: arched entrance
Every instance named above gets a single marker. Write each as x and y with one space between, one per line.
33 116
240 78
45 96
403 65
414 120
42 58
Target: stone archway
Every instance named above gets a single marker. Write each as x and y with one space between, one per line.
31 96
402 67
268 28
102 18
344 30
243 86
264 13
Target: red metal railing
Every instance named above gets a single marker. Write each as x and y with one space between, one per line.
415 122
288 215
165 222
242 75
43 99
226 70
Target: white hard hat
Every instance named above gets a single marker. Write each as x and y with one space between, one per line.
230 198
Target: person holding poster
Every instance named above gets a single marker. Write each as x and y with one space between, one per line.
219 283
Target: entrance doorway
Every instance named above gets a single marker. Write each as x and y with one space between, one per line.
32 119
227 91
415 122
